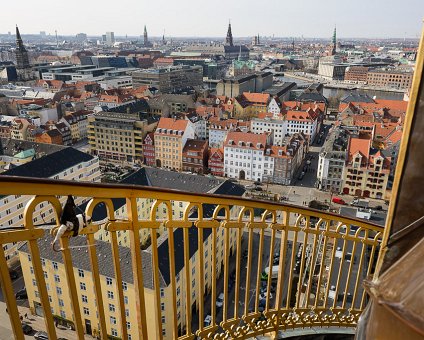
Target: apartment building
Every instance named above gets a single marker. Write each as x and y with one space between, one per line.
366 171
282 162
390 78
118 137
218 130
195 156
234 86
270 122
18 129
171 79
244 155
67 164
171 136
356 74
216 161
78 123
149 149
331 162
249 105
200 124
306 122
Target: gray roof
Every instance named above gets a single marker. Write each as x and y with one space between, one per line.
13 146
81 258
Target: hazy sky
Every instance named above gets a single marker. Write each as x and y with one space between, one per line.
310 18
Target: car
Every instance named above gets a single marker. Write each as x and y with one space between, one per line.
21 294
332 292
232 180
257 183
220 300
41 336
378 207
338 200
250 186
208 321
27 329
258 189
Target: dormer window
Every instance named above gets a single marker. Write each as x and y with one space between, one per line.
230 142
258 145
240 143
280 152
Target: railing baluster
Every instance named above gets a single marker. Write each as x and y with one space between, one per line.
238 268
322 264
282 263
312 266
7 288
201 277
248 272
213 296
171 254
349 273
271 259
360 269
70 277
302 261
137 266
330 272
226 268
118 278
292 266
258 272
339 274
156 284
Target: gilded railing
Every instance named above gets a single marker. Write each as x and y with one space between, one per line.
316 262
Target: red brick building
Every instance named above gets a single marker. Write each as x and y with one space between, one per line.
195 156
356 74
149 149
216 162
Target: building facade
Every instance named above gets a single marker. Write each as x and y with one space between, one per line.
149 149
195 156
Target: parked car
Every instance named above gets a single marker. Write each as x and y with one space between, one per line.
378 207
220 300
21 294
257 183
338 200
41 336
250 186
27 329
207 321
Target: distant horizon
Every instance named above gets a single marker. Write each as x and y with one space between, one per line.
154 37
376 19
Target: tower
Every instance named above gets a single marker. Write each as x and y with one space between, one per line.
334 42
259 42
146 40
229 39
22 60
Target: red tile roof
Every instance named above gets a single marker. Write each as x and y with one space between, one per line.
171 124
242 140
359 145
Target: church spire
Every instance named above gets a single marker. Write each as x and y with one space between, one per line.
146 40
22 60
229 39
334 42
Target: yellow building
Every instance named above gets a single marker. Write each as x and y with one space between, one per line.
66 164
54 271
118 137
170 138
249 105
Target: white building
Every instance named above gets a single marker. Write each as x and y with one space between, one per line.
267 123
200 125
274 107
306 122
67 164
244 155
218 131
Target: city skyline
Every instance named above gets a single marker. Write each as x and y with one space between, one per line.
307 19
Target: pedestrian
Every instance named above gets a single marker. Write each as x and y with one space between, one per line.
21 318
26 315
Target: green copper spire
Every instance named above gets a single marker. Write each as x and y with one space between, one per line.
334 36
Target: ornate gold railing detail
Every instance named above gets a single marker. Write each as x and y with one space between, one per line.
323 259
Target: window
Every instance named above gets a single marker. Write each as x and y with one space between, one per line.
56 278
124 286
59 290
109 281
128 325
113 330
127 312
111 307
43 262
63 314
55 267
162 306
113 321
163 319
109 294
162 292
80 273
61 304
86 311
126 300
31 270
84 298
82 286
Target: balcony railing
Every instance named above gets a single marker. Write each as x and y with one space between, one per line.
320 262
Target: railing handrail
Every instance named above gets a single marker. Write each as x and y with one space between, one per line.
16 185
